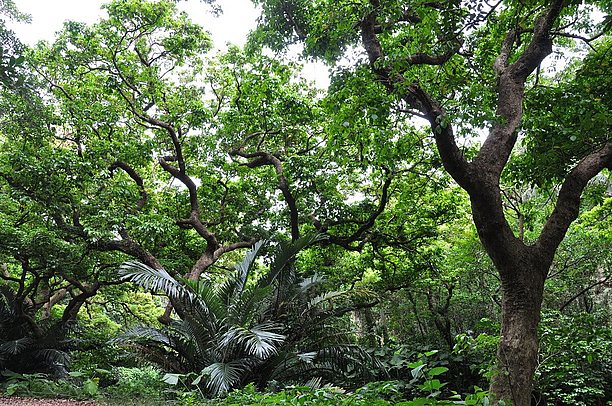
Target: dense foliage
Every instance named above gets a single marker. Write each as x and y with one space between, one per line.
273 327
377 231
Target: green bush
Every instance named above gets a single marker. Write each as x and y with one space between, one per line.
92 348
466 365
575 359
43 386
374 394
136 383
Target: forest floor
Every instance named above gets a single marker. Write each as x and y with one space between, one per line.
17 401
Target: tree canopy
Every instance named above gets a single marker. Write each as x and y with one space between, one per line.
129 140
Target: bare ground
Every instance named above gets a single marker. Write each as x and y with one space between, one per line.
17 401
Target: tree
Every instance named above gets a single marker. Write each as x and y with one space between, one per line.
461 66
142 148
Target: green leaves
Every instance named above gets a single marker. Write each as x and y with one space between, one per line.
256 326
221 377
565 119
259 340
436 371
154 279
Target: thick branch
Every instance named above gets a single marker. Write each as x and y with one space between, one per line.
73 307
452 158
184 179
369 27
498 146
418 99
541 43
426 59
209 257
364 225
130 247
194 217
369 223
568 203
135 177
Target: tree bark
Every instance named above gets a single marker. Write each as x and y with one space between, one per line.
517 354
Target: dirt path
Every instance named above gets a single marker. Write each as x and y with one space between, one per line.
17 401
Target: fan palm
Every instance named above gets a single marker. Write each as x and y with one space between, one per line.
247 329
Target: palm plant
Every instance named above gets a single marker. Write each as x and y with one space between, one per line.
248 329
28 346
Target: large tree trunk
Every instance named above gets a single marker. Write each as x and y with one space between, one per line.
517 354
522 268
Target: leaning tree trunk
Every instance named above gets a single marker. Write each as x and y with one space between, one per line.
517 354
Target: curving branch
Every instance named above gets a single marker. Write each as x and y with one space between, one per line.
541 42
259 158
384 199
214 249
135 177
602 281
346 242
129 247
452 158
568 203
419 100
495 151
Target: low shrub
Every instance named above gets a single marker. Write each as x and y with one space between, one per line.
575 359
144 382
44 386
374 394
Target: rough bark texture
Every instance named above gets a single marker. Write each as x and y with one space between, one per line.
517 353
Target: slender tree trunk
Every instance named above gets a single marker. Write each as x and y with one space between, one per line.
517 354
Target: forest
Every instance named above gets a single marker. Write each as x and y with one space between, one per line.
180 226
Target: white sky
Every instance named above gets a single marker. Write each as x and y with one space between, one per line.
238 18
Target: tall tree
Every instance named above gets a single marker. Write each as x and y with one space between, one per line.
146 149
460 66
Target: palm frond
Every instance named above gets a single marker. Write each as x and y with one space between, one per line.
52 356
142 334
205 305
222 376
157 355
308 283
314 382
260 340
323 298
286 252
251 305
154 279
307 357
15 347
244 267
